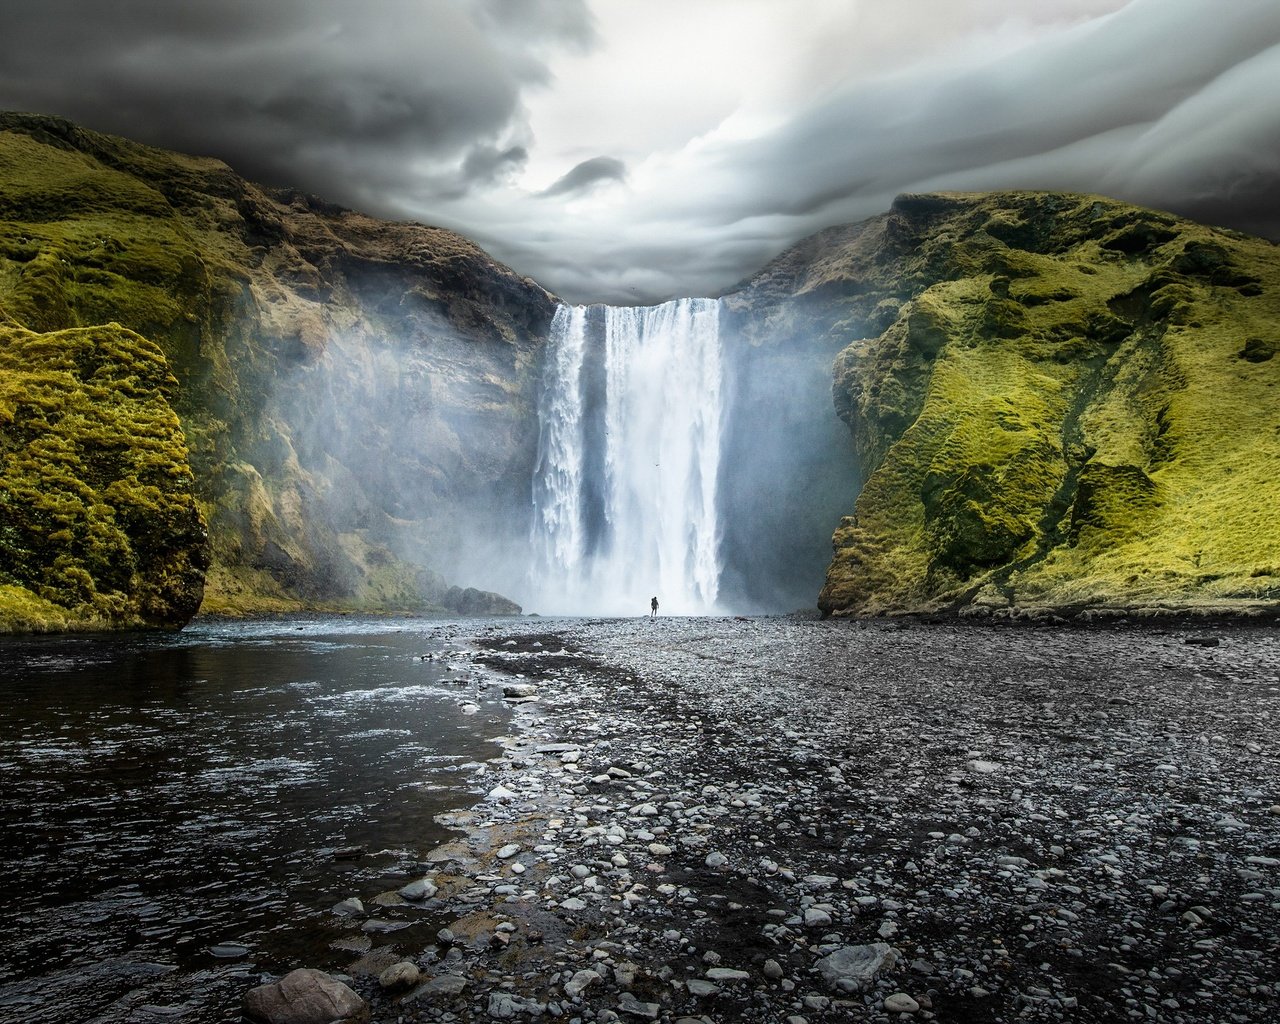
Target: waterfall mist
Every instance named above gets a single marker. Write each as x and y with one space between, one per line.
624 490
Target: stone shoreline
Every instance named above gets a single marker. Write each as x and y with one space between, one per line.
782 820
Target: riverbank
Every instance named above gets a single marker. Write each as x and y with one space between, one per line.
768 820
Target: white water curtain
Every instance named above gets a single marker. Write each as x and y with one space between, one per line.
663 384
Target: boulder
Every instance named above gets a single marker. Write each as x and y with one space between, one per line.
854 968
402 975
305 996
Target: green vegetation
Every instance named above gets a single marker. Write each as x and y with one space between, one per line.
98 520
1074 407
264 306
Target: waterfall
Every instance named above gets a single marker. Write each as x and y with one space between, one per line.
624 487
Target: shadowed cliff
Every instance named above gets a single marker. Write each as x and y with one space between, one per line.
357 395
1057 402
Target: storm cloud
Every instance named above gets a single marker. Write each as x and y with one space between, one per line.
732 129
588 174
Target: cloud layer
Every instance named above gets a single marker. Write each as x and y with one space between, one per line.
625 156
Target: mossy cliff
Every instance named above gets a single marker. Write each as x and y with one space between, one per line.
356 394
1058 403
98 519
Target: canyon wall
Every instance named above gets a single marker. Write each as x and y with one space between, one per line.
356 395
1059 404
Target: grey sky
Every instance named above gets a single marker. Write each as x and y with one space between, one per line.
628 151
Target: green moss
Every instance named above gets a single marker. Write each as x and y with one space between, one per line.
97 512
1076 407
242 291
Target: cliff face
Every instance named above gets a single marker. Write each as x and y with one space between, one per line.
304 339
1057 402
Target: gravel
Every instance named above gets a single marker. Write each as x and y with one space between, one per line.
783 819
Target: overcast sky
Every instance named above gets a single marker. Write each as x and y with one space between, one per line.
632 150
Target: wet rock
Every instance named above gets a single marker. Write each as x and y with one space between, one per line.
853 968
506 1005
900 1002
422 889
580 982
305 996
445 985
228 950
633 1007
727 974
401 975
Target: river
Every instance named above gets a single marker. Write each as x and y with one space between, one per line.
187 803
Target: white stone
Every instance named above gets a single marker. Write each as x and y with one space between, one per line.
900 1002
580 983
422 889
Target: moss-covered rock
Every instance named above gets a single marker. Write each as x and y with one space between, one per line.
98 518
357 395
1058 401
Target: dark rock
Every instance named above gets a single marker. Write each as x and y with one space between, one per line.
305 996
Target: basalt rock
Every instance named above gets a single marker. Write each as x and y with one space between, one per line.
1057 402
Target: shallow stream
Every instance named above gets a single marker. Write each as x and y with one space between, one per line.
189 800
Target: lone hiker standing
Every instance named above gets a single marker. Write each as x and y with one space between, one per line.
653 608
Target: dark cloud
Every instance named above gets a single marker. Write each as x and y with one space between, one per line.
588 174
419 110
345 99
1159 103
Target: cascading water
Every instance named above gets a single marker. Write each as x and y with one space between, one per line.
624 488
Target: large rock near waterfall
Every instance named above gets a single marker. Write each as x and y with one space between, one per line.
1057 402
357 395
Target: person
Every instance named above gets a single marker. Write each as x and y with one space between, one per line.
653 608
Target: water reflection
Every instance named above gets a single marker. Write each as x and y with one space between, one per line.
166 794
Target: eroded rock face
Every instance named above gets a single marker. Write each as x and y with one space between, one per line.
305 996
357 395
1058 402
98 518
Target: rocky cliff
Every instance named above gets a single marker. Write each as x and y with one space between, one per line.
356 395
1058 403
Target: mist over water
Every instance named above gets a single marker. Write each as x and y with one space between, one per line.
624 492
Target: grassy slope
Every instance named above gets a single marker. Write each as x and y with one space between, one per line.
98 520
1074 406
242 290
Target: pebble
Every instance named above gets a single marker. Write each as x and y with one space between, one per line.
1024 813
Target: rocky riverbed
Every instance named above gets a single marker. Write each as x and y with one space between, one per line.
783 820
